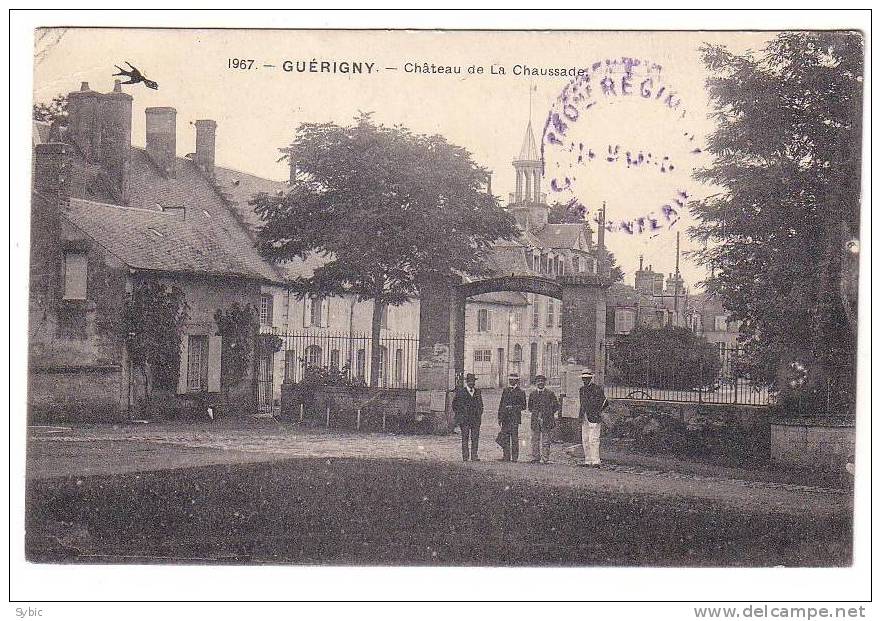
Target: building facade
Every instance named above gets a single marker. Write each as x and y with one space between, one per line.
519 332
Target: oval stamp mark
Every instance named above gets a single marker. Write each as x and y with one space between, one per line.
618 133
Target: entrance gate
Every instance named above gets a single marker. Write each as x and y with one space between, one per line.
442 322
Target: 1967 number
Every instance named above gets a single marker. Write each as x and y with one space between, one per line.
240 63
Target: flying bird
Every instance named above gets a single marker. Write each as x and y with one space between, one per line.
134 76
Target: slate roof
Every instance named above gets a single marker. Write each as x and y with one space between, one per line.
164 241
507 260
216 237
559 235
528 150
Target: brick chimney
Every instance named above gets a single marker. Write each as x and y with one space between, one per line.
205 131
82 121
162 138
115 123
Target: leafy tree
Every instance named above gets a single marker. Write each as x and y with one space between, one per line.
55 110
385 210
786 155
572 212
669 357
152 324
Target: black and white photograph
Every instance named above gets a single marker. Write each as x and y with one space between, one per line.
520 299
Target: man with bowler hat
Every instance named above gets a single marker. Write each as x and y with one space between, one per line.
468 410
543 406
511 405
592 403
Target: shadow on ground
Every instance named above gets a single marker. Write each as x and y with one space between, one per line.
395 512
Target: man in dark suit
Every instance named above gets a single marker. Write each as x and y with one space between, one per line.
543 405
511 406
468 410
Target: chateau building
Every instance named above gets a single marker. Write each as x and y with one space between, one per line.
517 332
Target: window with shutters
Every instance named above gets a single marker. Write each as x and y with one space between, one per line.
75 275
624 320
484 320
313 355
516 321
266 301
550 322
197 363
559 306
536 312
316 316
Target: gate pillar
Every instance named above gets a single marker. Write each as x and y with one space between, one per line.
584 321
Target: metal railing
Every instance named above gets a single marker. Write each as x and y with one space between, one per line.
712 374
344 358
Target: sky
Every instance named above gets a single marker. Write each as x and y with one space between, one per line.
259 109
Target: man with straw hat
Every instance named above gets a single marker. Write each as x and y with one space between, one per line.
592 403
511 406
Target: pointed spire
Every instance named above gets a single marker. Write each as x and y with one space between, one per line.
529 152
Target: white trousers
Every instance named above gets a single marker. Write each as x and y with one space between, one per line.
590 440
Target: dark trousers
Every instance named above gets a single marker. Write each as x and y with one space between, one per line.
470 437
511 441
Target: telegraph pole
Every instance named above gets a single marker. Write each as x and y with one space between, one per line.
676 283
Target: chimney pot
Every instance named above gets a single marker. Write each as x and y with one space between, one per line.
117 86
84 86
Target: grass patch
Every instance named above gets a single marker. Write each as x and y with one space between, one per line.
387 512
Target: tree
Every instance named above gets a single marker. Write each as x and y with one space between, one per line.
572 212
54 113
153 321
386 210
669 357
779 236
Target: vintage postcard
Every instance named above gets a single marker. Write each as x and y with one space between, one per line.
523 299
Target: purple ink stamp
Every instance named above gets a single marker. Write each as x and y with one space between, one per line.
618 133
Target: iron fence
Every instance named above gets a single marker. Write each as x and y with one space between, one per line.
344 358
712 374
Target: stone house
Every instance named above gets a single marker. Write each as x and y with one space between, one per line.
107 216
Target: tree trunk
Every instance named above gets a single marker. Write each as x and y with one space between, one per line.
375 327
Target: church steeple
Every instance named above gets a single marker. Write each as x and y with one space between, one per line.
528 168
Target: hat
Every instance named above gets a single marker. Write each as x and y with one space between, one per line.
540 377
513 376
587 373
469 376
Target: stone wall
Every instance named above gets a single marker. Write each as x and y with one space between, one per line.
77 363
84 395
822 444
